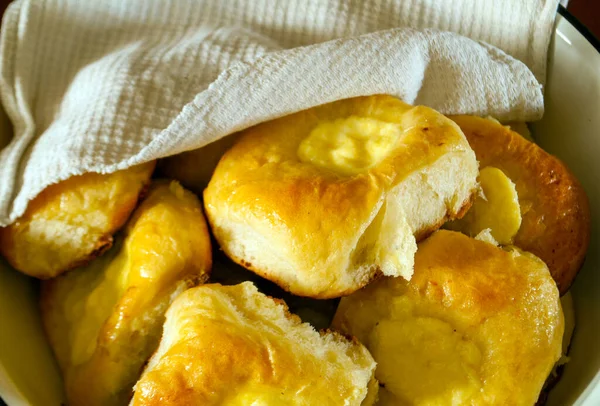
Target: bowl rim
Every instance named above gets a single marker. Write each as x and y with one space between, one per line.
590 393
579 26
587 395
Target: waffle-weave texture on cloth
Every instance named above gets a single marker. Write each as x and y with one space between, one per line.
103 85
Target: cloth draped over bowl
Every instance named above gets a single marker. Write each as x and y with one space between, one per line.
100 86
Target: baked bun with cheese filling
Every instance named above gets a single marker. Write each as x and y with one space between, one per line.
475 325
72 222
231 345
324 200
105 320
554 208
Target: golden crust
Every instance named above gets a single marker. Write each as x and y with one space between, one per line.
475 325
298 224
105 320
375 273
72 222
194 168
231 345
554 207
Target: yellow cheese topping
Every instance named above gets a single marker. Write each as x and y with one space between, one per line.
424 360
349 145
421 358
496 208
98 305
476 325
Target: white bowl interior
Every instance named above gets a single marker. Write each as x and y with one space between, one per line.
570 130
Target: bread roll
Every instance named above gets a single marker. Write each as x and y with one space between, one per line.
105 320
476 325
554 207
231 345
73 221
324 200
194 168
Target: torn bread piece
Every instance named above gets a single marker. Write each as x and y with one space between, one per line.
232 345
325 200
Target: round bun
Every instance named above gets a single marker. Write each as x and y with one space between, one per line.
555 211
193 169
324 200
475 325
105 320
232 345
72 222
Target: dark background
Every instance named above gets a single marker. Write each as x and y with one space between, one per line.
588 12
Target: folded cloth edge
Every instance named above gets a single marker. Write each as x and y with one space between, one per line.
208 117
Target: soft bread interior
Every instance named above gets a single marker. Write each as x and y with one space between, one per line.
415 207
437 192
385 244
388 241
268 356
323 201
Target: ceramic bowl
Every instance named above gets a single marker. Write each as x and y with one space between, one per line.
570 129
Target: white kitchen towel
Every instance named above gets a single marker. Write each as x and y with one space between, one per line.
102 85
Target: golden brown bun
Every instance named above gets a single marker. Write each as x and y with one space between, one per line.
476 325
325 231
194 168
73 221
231 345
554 207
105 320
